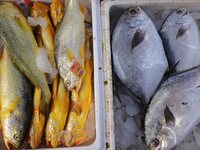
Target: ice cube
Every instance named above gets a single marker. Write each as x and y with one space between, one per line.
132 109
32 21
125 99
118 130
42 22
52 75
196 134
120 115
118 136
42 60
138 120
116 102
128 138
130 125
139 144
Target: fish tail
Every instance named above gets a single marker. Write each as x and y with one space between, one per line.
8 144
57 11
38 120
58 115
75 105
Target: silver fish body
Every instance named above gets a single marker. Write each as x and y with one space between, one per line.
69 41
16 103
138 55
179 95
181 39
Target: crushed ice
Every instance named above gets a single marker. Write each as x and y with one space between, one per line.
128 133
52 75
34 21
43 61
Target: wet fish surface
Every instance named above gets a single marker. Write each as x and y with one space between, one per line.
16 103
174 110
69 45
138 54
17 35
181 39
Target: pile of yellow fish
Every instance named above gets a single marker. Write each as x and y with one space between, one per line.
45 103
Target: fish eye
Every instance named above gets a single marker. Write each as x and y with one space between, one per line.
180 11
16 137
155 142
134 10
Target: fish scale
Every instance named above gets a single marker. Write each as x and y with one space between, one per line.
16 103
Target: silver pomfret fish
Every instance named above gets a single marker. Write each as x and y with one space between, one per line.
181 39
138 55
174 111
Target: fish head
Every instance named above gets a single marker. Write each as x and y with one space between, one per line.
160 129
161 135
181 16
163 140
14 134
134 17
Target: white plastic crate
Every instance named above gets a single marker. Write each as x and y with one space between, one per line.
110 12
100 141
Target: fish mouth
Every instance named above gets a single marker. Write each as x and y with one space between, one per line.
150 147
9 144
134 11
181 11
154 145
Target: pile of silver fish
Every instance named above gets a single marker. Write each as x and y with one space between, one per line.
161 70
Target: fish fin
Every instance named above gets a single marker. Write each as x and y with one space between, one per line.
76 108
172 68
8 146
137 38
181 31
169 117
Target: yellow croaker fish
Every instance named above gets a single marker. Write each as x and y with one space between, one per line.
17 35
69 45
58 115
41 10
75 104
57 11
16 103
75 133
38 119
60 101
44 37
1 56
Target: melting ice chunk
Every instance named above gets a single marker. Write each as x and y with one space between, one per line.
132 109
130 125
